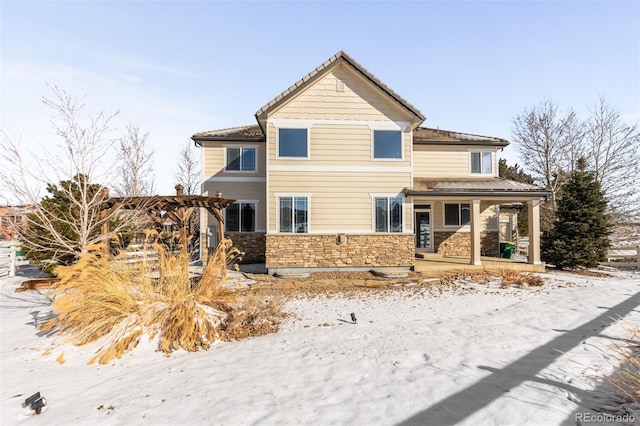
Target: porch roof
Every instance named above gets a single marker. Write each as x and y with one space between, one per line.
474 187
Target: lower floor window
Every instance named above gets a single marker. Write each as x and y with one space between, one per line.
294 215
241 217
388 214
456 214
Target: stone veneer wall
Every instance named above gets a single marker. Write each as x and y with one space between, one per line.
251 243
323 251
459 243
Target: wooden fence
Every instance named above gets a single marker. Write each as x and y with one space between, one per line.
623 257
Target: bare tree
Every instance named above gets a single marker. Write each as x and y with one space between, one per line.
573 130
550 146
613 152
188 174
76 171
135 168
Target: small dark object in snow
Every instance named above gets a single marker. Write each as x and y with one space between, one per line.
34 314
353 318
36 402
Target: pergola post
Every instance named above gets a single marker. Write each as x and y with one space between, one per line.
216 211
533 209
475 233
223 251
104 227
182 223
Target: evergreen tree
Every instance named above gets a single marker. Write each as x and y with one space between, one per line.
579 237
47 241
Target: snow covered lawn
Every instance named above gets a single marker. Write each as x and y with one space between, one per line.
474 355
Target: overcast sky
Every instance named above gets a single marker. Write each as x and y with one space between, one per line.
175 68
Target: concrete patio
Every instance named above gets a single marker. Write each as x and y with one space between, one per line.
436 265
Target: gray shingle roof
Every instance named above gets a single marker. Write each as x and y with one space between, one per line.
425 135
250 132
421 135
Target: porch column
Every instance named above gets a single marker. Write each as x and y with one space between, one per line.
475 233
533 208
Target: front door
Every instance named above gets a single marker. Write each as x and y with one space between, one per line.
423 231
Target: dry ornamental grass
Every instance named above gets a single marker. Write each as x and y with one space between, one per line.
626 380
102 297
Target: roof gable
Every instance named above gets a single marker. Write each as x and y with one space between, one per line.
340 58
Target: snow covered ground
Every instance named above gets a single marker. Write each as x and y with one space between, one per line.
474 355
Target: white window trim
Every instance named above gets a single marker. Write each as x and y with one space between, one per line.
226 162
459 226
293 123
279 195
373 211
299 125
237 179
387 128
340 169
493 162
255 218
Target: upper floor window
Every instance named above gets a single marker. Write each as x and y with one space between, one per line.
387 144
482 162
388 214
293 143
241 159
294 215
240 217
457 214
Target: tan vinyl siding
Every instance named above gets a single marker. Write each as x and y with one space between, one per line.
339 201
214 159
431 161
214 164
241 191
488 215
339 144
359 100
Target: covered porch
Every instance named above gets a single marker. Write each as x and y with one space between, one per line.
460 220
436 265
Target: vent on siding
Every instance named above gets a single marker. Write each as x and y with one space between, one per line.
339 85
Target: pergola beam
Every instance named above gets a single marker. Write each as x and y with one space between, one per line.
179 208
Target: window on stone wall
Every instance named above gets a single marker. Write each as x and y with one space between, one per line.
294 215
240 217
457 214
388 214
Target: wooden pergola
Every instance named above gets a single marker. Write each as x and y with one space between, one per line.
178 208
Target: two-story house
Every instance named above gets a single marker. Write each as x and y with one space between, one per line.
338 174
